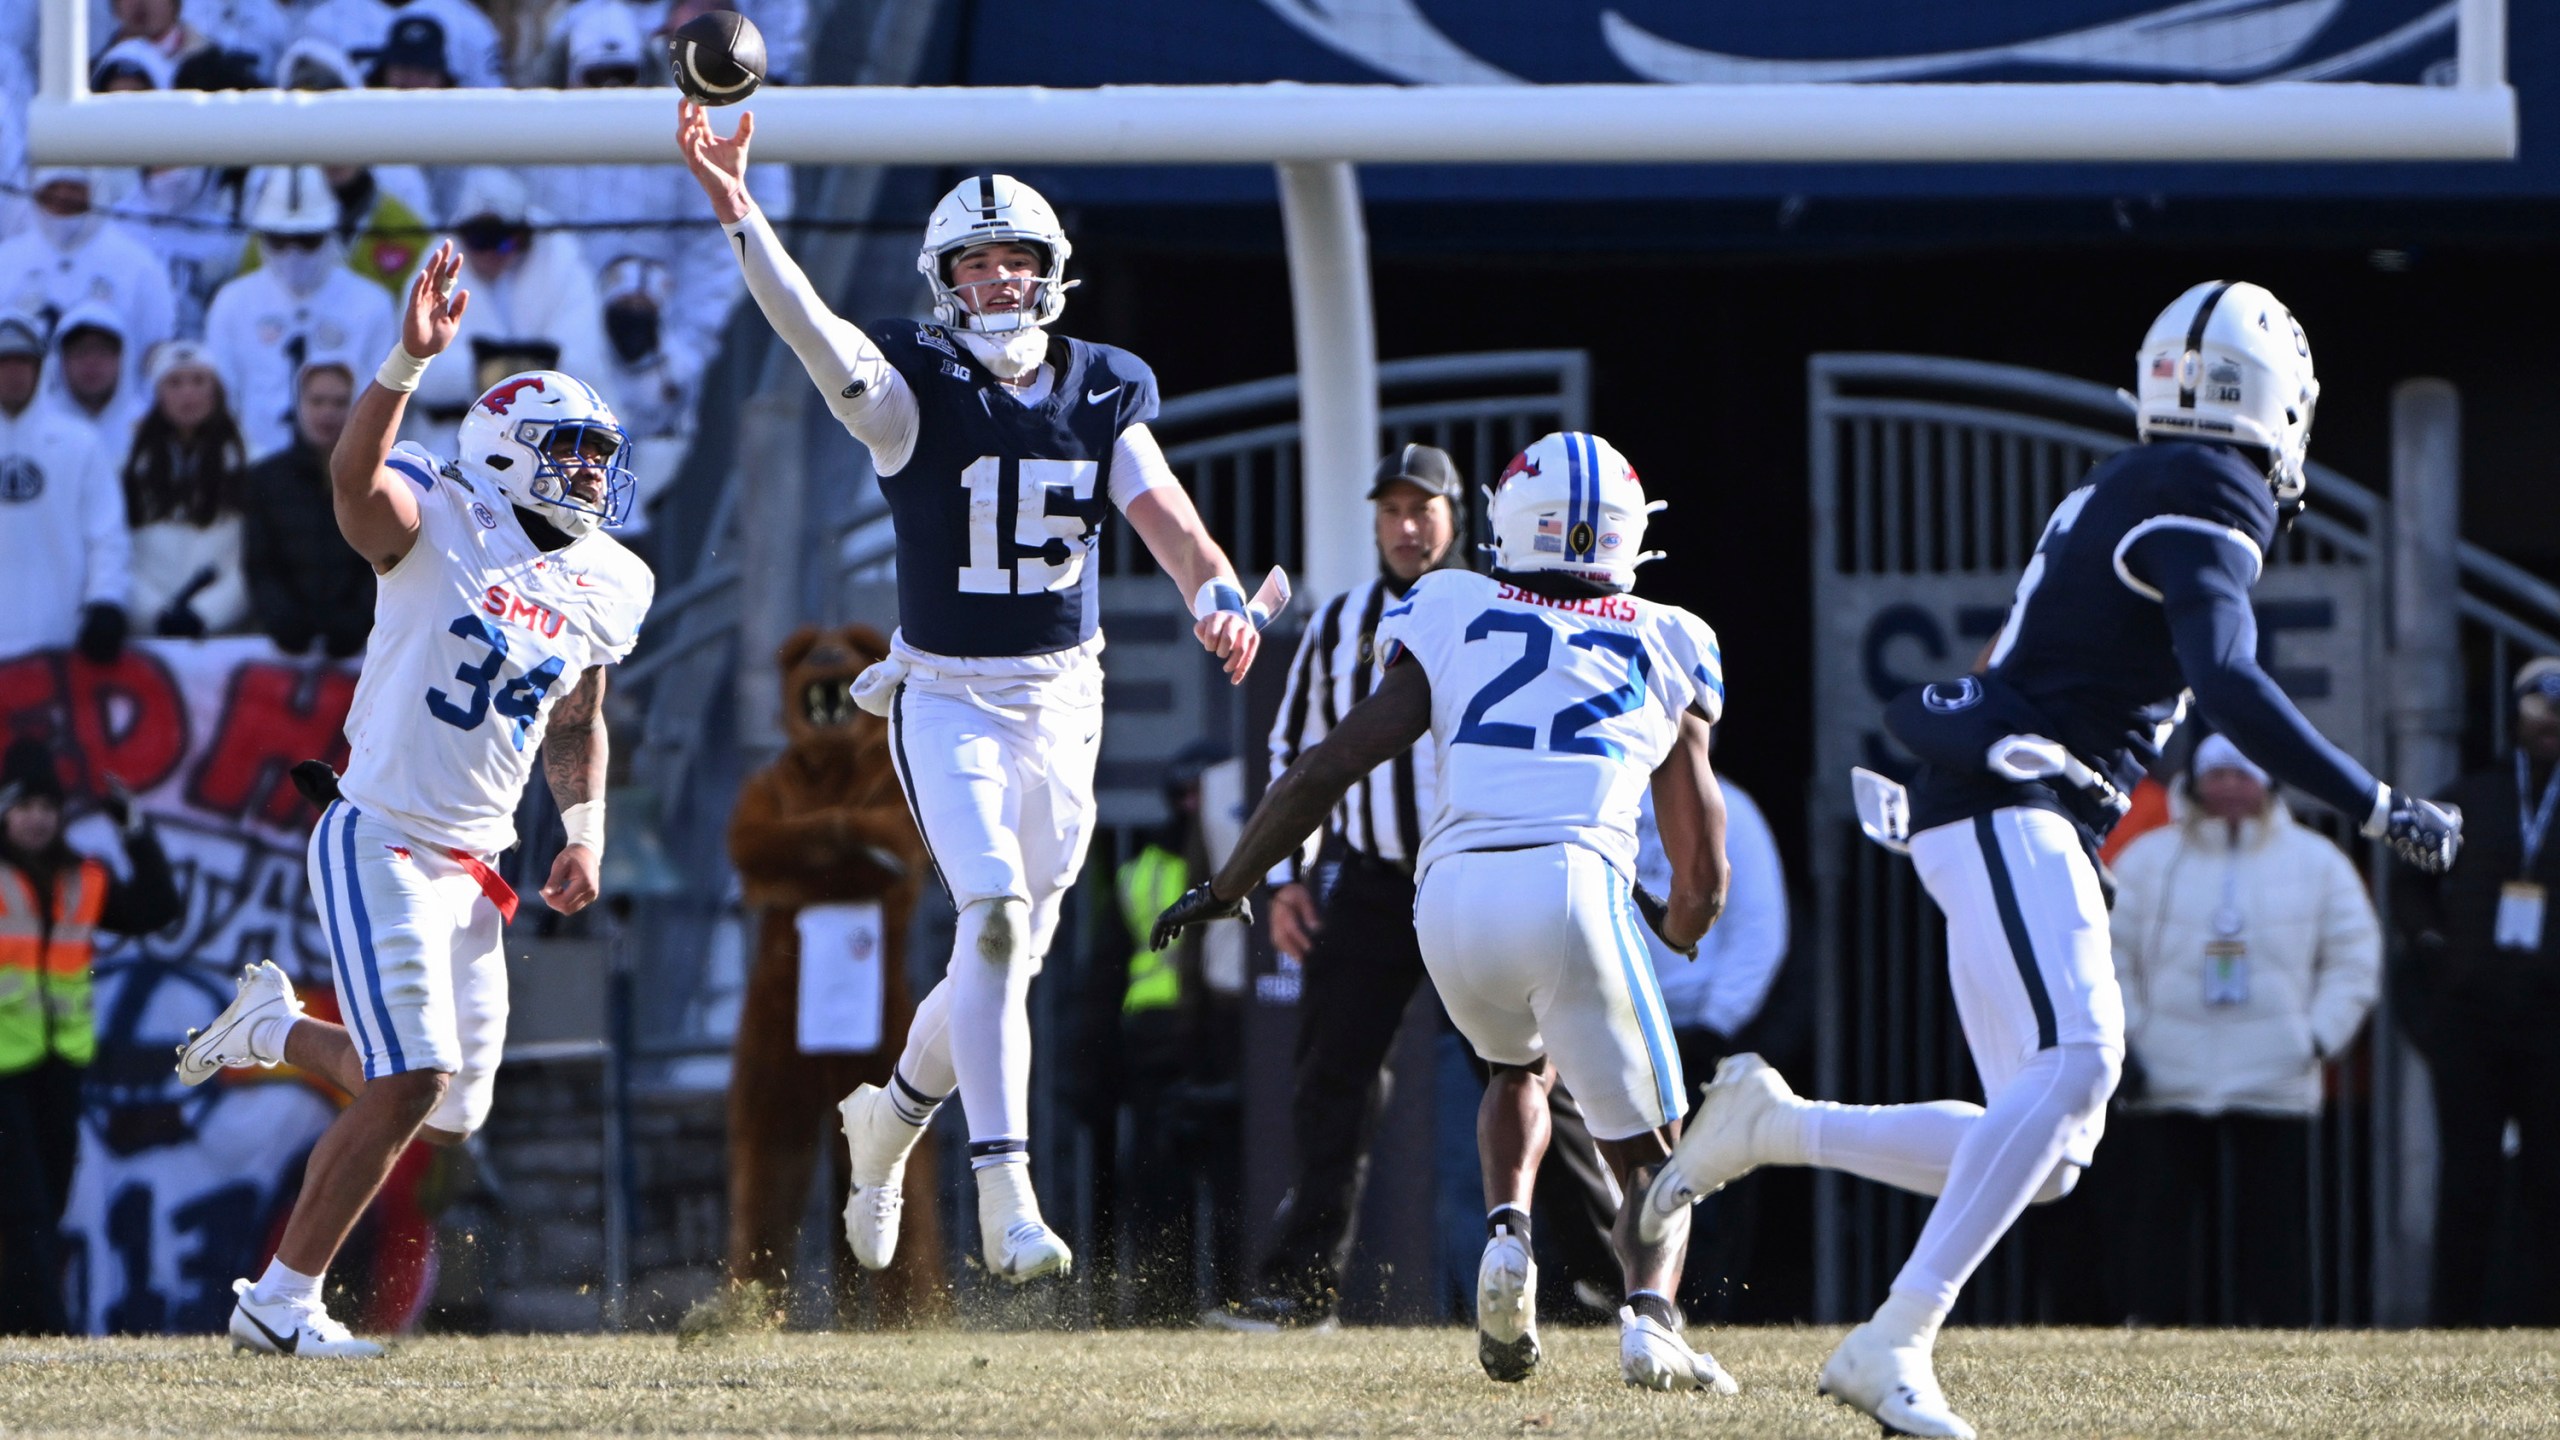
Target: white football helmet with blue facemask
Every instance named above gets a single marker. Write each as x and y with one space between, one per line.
2227 362
530 434
1572 505
993 210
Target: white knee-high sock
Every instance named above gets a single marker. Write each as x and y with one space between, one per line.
1906 1146
2008 1157
990 1023
925 1063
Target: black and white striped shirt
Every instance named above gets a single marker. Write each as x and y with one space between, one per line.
1334 669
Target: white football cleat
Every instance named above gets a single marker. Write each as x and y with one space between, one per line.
879 1143
227 1043
1894 1384
296 1330
1653 1356
1726 1138
1507 1308
1028 1250
1019 1245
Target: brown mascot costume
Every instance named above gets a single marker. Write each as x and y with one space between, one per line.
824 824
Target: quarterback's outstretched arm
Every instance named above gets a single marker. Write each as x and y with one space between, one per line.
864 392
575 754
1688 810
1165 519
375 509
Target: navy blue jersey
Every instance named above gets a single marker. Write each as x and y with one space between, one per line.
999 506
2137 592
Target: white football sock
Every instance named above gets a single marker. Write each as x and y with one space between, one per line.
926 1061
990 1021
266 1038
2011 1155
281 1284
1906 1146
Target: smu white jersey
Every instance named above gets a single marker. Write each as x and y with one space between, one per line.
477 633
1551 715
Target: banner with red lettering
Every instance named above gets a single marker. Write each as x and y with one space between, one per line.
178 1191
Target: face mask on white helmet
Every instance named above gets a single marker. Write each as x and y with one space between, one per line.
2227 363
989 210
1570 504
551 445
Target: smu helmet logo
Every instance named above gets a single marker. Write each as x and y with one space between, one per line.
502 398
1520 464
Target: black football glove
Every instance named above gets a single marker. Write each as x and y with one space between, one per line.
102 631
317 782
1198 905
2423 833
1657 914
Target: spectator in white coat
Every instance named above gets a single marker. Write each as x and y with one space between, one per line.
1713 1001
302 305
183 484
2249 954
72 253
533 302
62 527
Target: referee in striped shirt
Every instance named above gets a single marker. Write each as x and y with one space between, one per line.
1355 939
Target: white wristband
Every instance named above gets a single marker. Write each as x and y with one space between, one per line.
1216 594
400 370
585 823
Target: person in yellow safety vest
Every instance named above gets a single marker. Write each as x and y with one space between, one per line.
1154 879
53 903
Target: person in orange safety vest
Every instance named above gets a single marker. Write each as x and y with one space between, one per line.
53 903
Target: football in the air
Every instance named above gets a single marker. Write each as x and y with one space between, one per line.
718 57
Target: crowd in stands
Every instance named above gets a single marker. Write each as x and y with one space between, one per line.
180 346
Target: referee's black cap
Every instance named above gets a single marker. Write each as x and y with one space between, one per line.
1427 468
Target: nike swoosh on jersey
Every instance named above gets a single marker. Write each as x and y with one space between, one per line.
282 1343
1096 397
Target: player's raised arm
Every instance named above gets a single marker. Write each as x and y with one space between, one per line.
575 753
1688 810
1378 729
1163 516
377 511
866 394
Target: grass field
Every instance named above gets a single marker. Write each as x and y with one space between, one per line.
1355 1382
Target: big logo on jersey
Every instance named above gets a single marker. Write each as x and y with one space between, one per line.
20 478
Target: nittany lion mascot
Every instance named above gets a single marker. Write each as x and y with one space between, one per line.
824 825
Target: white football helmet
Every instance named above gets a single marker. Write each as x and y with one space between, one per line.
2227 362
987 210
530 433
1571 504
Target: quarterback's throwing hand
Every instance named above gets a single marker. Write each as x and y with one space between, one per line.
720 164
1198 904
574 881
2423 833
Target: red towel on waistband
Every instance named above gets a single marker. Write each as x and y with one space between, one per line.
500 893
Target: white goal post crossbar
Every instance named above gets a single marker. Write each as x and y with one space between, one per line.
1315 135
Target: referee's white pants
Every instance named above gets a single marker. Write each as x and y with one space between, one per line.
418 952
1535 953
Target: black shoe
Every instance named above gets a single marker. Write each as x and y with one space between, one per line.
1269 1314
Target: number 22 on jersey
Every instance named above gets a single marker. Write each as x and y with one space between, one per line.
1053 513
1564 730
